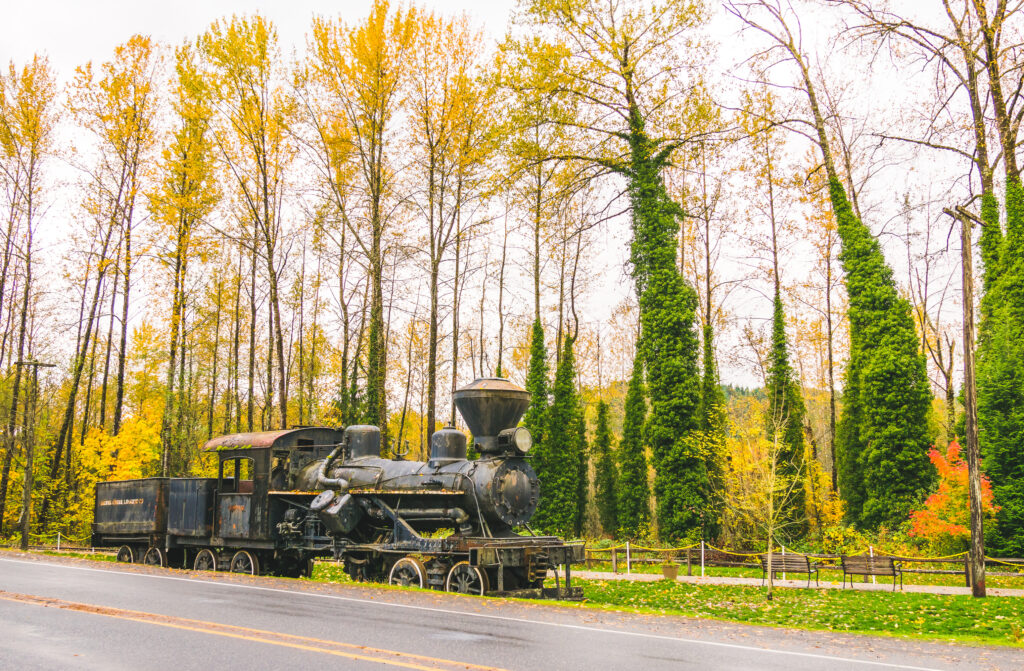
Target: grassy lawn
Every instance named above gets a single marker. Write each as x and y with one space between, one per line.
995 620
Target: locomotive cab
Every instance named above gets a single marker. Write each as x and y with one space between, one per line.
256 477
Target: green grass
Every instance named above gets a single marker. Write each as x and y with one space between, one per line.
827 575
995 620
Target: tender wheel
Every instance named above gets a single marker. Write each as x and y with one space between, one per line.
466 579
155 557
245 562
125 554
408 572
205 561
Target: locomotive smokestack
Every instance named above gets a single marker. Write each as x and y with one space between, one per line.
490 405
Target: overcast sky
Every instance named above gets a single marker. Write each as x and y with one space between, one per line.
71 33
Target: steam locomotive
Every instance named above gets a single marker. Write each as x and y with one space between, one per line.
284 498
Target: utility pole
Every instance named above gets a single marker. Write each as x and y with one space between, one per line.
30 440
977 554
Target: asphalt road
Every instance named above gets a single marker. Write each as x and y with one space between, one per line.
64 613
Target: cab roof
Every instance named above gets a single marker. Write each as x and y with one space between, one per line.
321 436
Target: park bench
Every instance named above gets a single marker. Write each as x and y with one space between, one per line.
789 563
867 565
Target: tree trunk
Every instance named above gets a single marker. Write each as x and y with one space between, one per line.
110 343
216 355
176 309
122 353
252 342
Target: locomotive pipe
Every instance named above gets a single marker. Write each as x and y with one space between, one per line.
457 515
321 474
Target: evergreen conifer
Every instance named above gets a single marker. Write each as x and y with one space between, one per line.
537 385
1001 369
558 466
882 439
786 413
634 493
668 343
606 473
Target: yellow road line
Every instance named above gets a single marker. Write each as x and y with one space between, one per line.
366 653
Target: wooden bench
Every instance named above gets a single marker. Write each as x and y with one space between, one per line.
867 565
789 563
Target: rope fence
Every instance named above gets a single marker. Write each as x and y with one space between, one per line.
699 556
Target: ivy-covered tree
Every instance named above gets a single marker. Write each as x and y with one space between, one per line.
606 473
637 99
882 437
535 418
582 470
1001 376
557 459
786 409
668 343
886 404
634 493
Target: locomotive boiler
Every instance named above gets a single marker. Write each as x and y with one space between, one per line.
284 498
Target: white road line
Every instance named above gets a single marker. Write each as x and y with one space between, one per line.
502 618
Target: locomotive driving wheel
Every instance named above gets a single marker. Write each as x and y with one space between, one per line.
205 561
466 579
408 572
245 562
155 557
125 554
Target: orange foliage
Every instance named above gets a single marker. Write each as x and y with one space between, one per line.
946 513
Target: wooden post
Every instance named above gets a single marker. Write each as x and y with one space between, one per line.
702 559
967 568
977 553
689 568
628 567
615 560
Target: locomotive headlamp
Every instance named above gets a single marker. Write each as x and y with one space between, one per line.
518 440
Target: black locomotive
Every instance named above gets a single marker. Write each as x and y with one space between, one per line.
284 498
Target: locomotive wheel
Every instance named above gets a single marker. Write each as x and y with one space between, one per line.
155 557
245 562
125 554
205 561
466 579
408 572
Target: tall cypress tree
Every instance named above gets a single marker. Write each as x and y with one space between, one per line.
634 493
537 384
1001 368
582 469
558 465
883 429
606 473
668 342
786 414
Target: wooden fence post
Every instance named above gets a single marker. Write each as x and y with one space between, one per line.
615 560
689 568
702 559
628 566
